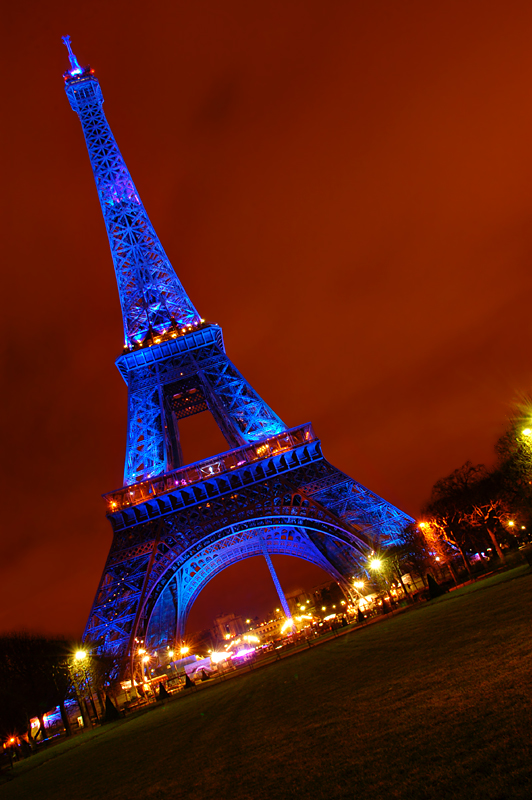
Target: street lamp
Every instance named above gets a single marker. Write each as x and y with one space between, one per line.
80 655
80 682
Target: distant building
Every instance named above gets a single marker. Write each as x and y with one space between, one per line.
228 625
299 598
267 631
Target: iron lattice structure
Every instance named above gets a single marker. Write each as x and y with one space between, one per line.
175 525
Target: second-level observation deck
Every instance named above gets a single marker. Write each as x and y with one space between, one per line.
162 346
199 471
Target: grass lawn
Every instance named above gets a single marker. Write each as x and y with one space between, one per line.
433 703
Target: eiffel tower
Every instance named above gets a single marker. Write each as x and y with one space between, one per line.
176 525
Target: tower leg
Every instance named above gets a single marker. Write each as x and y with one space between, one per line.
275 579
181 620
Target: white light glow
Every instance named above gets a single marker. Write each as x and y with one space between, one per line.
216 658
288 623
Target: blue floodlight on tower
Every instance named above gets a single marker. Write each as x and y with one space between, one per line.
176 525
152 297
160 322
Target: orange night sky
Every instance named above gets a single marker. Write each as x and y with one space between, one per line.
345 187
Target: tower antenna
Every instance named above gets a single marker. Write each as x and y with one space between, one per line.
76 69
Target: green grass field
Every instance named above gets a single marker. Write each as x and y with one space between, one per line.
433 703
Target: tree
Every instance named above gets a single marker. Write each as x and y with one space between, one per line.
468 507
514 460
33 679
413 554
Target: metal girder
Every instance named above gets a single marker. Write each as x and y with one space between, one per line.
185 532
130 591
213 477
152 440
151 294
157 313
176 526
164 619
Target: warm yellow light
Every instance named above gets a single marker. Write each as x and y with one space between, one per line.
375 563
358 584
140 651
511 523
323 608
303 608
184 650
217 657
79 655
423 524
288 623
145 658
527 432
171 653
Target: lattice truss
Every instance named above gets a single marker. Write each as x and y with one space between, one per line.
151 294
371 515
167 547
147 556
157 375
171 608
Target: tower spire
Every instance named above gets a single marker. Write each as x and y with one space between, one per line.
75 67
152 298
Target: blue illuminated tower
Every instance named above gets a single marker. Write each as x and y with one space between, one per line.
176 525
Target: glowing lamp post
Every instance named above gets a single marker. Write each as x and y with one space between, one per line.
376 565
80 682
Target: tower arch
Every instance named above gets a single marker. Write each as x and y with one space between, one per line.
166 608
